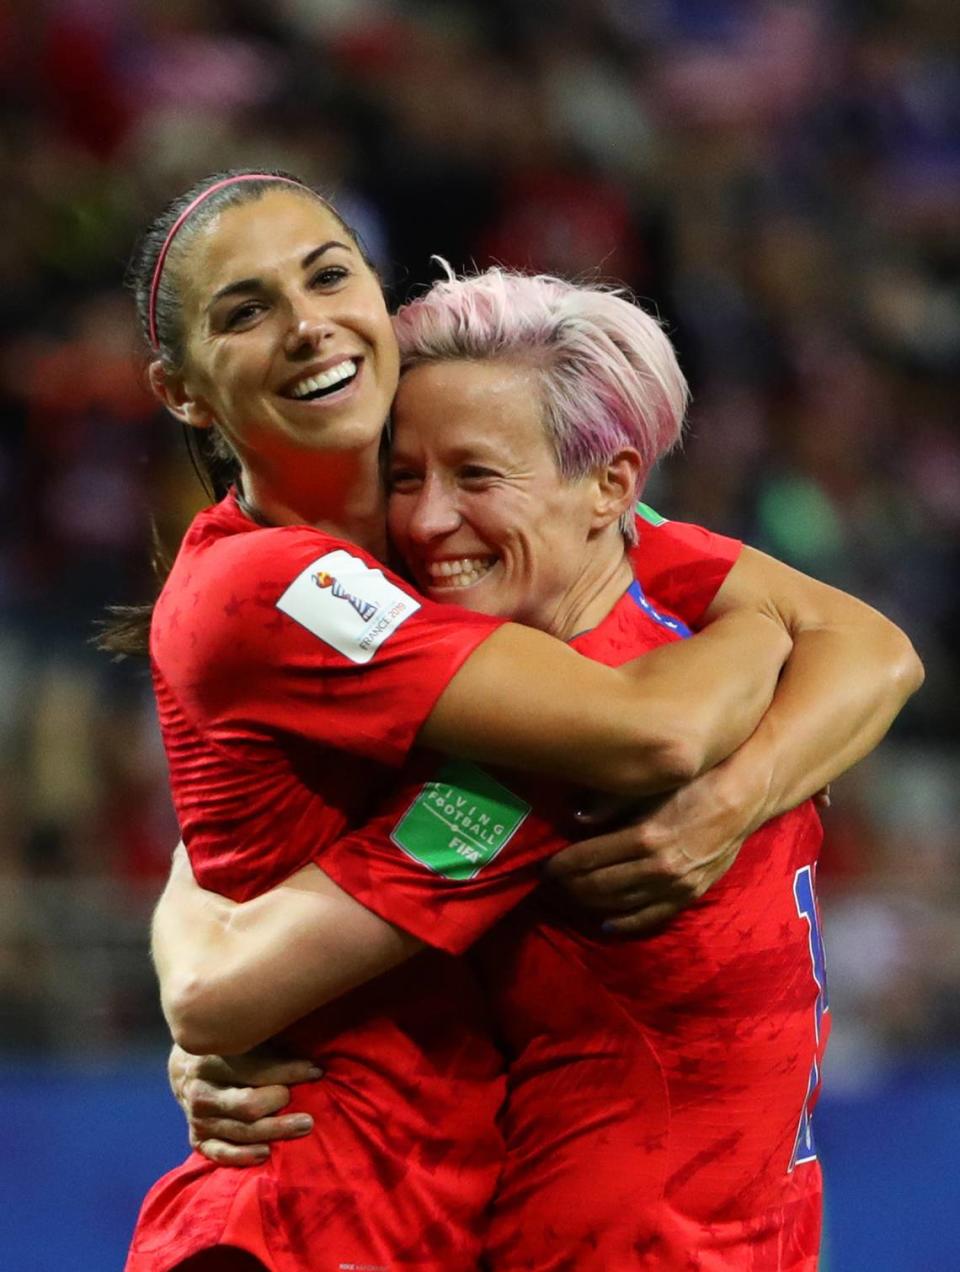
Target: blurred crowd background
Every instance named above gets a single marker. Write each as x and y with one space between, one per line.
780 181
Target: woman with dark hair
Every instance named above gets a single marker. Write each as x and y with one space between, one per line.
290 670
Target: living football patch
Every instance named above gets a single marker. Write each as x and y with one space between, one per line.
458 823
349 605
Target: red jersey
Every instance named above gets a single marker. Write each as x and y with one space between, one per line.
659 1090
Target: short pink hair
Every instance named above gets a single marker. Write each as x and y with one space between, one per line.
609 374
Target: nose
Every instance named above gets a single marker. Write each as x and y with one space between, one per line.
308 328
434 512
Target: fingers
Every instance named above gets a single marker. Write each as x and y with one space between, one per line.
619 847
640 877
265 1131
232 1154
656 900
244 1104
631 883
255 1069
621 889
234 1126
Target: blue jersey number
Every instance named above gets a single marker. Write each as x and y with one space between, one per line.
804 1149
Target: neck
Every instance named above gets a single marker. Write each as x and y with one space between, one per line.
596 590
338 492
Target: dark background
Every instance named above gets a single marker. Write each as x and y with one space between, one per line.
781 181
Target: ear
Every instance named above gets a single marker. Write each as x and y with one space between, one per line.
173 392
617 483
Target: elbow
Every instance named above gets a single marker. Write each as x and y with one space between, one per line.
198 1021
685 757
905 672
908 672
659 765
185 1008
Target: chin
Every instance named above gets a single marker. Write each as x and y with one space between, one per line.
345 435
474 600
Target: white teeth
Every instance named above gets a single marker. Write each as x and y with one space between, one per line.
460 573
326 379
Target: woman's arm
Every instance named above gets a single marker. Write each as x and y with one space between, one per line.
850 672
647 726
233 974
463 684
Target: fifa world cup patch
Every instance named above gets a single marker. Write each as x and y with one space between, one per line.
347 604
458 823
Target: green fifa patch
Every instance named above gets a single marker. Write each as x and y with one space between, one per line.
458 823
648 514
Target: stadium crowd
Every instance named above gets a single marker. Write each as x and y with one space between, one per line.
780 180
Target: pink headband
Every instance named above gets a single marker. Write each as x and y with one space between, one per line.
195 203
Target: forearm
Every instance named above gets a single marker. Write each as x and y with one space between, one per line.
520 701
839 692
720 683
187 932
234 974
195 955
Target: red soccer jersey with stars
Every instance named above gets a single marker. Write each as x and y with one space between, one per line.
660 1090
292 675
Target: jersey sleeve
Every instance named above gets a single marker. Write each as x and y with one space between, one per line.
300 635
680 565
450 854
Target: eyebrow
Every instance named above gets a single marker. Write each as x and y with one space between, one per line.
243 285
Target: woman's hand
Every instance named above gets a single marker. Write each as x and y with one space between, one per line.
231 1102
645 873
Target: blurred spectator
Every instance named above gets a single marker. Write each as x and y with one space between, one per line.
781 181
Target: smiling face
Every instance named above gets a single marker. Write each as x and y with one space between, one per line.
478 507
289 347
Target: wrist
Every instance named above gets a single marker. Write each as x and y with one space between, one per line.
744 783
